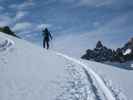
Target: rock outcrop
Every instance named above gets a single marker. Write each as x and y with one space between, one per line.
8 31
102 54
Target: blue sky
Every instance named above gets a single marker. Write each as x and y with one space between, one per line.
104 19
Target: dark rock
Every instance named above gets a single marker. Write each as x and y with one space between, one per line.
102 54
99 45
8 31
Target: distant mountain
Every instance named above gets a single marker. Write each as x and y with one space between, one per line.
7 30
101 53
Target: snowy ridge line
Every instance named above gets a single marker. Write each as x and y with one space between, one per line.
108 94
5 43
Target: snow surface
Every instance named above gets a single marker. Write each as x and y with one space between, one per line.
131 65
117 74
128 51
28 72
119 78
104 88
5 44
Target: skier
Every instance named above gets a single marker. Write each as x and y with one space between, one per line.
47 37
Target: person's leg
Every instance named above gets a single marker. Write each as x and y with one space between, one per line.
47 45
44 44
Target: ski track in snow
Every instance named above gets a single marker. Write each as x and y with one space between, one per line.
107 93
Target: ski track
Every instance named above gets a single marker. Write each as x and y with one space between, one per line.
108 94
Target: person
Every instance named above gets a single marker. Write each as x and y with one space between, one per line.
46 38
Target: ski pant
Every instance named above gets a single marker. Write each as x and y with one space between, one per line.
46 44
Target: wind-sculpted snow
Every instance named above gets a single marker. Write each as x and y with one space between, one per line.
5 44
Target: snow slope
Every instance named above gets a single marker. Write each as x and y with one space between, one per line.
119 75
119 78
28 72
104 88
